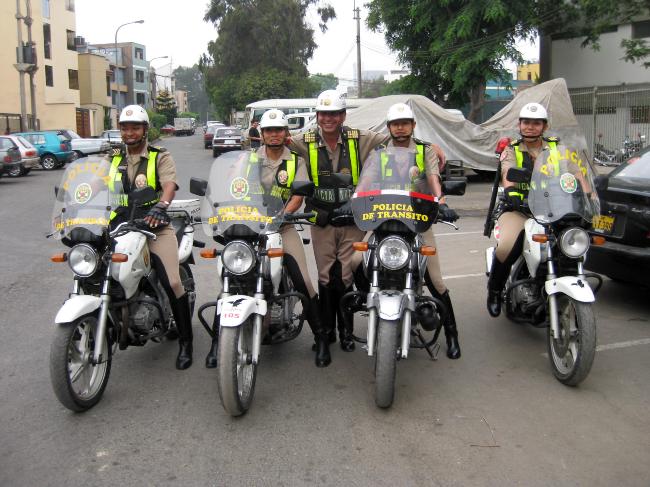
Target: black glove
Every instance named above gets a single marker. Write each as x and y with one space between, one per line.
321 219
157 215
344 210
513 198
446 214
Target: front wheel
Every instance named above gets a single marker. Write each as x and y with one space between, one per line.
572 355
237 373
77 383
386 362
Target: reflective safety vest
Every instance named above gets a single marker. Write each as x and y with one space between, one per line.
387 171
115 175
525 160
278 189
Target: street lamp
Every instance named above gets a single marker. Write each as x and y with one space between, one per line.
116 68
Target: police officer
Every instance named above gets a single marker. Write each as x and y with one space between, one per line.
533 122
279 168
401 124
333 148
142 165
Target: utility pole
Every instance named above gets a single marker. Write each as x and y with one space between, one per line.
32 86
22 67
357 17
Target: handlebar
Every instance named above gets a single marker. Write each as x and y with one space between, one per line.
132 226
299 216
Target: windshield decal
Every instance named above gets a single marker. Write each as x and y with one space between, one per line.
238 213
393 211
568 183
83 193
239 188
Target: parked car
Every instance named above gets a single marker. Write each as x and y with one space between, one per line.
54 149
624 221
9 155
168 129
208 135
113 137
84 146
29 156
225 139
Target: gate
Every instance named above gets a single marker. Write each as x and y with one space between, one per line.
83 122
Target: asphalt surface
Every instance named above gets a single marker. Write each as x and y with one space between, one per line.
496 417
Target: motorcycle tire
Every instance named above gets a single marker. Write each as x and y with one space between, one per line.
77 383
572 355
187 278
236 377
386 362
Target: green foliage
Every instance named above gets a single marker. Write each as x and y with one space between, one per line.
108 121
153 134
188 115
166 106
636 50
322 82
261 50
409 84
192 80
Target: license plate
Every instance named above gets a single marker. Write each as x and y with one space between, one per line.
603 223
230 141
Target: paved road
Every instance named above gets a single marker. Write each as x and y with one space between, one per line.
495 417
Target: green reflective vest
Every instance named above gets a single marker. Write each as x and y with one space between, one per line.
115 175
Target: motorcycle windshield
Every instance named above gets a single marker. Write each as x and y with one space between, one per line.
236 196
392 187
85 199
562 184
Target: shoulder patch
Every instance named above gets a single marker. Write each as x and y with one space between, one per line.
116 151
421 142
380 147
156 149
352 134
309 137
551 139
515 142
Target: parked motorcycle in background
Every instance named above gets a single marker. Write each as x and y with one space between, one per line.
547 285
607 157
116 299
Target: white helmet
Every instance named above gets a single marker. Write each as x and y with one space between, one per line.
134 113
533 111
399 111
330 101
274 118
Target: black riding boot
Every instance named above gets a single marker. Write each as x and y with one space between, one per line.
345 324
181 310
323 357
451 332
496 281
211 357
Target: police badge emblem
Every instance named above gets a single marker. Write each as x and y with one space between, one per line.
283 177
568 183
82 193
414 173
239 188
140 181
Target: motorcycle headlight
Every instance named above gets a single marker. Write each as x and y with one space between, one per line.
83 260
393 253
238 258
574 242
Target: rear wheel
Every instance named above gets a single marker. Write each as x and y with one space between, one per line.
386 362
237 373
49 162
572 355
17 171
77 383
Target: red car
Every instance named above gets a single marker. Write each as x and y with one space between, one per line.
167 129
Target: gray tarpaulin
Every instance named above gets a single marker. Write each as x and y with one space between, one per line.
463 140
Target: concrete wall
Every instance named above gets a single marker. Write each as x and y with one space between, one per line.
92 83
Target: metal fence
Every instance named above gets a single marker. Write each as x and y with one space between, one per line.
611 116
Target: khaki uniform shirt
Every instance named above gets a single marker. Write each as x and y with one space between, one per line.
509 159
165 166
431 161
270 166
366 143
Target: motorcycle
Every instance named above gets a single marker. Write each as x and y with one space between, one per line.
116 300
238 215
396 210
547 285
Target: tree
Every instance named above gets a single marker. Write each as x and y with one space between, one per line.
453 47
262 49
165 105
323 82
192 80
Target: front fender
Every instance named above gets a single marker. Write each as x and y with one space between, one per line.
572 286
390 304
235 310
76 306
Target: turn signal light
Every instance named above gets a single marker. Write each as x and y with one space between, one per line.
117 257
59 257
427 250
360 246
597 240
273 253
209 253
540 238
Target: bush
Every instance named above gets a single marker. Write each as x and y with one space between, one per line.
157 120
153 134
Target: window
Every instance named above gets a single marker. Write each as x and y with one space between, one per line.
47 41
641 30
108 85
139 76
45 7
640 114
139 53
73 79
139 98
69 5
49 76
70 36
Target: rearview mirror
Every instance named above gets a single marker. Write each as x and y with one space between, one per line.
198 186
454 187
302 188
518 175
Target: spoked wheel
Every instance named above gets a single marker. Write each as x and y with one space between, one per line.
77 383
572 355
49 162
237 373
386 362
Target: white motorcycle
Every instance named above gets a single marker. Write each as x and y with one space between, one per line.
117 299
547 285
257 304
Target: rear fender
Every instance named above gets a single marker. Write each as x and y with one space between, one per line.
235 310
574 287
77 306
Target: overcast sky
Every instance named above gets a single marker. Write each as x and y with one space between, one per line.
177 29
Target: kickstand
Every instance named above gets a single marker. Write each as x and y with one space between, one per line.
432 349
